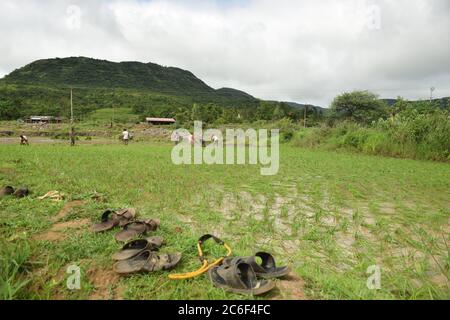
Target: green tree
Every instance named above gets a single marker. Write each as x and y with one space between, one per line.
400 106
8 111
265 110
360 106
278 113
196 112
229 115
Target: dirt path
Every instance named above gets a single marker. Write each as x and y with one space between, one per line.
67 208
106 284
55 233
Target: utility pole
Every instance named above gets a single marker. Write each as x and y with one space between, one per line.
304 117
72 133
113 116
431 93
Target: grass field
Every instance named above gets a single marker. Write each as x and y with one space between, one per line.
328 215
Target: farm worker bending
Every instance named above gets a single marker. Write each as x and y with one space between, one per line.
125 136
215 139
191 139
24 140
176 138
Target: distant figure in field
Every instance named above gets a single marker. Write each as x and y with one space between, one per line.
72 137
125 137
215 139
24 140
176 138
191 139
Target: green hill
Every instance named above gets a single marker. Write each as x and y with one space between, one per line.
145 89
86 72
81 72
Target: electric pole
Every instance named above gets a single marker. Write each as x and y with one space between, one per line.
304 117
113 119
72 133
431 93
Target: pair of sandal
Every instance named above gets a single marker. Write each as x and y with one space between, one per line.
245 275
10 191
140 256
125 219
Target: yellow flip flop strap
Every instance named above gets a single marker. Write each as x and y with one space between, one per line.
205 266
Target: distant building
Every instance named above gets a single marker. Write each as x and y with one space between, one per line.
43 119
160 121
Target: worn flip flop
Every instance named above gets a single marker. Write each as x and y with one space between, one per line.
21 192
267 269
135 247
147 261
109 221
137 228
239 278
125 216
6 191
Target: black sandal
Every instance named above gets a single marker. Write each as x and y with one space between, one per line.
239 278
135 247
267 269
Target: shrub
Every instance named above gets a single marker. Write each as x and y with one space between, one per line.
410 134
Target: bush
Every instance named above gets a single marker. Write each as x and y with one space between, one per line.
410 134
311 137
428 134
287 128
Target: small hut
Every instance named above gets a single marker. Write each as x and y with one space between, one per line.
160 121
43 119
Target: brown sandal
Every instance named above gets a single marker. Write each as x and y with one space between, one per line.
125 216
21 192
6 191
133 248
136 228
110 219
147 261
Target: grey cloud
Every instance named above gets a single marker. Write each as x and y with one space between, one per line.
307 51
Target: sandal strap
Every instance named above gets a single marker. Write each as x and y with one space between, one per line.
138 222
267 260
151 224
106 214
238 276
136 244
128 214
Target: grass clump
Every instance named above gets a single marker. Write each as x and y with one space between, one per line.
13 269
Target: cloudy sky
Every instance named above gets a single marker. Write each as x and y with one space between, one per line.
294 50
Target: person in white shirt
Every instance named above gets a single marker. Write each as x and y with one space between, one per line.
176 138
215 139
126 137
24 140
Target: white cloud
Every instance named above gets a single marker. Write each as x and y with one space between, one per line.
306 51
